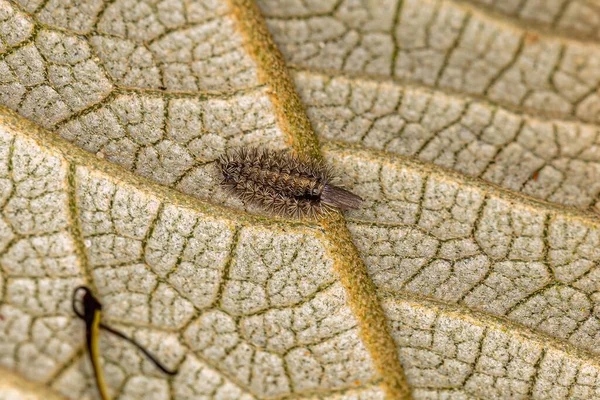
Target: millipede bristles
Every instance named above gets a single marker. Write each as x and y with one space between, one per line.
284 183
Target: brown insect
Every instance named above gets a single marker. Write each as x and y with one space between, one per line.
284 183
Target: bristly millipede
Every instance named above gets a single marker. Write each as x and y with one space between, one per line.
283 182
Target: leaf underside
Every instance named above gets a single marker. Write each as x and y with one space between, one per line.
469 127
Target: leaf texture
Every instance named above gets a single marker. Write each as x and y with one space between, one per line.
469 127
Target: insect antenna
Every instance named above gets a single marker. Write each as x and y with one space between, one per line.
157 363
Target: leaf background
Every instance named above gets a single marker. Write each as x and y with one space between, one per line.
470 128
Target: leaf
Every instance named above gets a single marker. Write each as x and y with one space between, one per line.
468 127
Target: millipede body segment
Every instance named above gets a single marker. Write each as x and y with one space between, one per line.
283 183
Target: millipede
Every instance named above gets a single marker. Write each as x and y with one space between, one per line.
284 183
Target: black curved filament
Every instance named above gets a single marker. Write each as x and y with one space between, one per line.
91 316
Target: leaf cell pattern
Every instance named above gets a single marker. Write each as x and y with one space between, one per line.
576 19
423 233
469 127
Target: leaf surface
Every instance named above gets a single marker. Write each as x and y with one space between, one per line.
469 128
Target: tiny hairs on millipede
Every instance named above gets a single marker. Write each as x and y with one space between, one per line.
283 182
